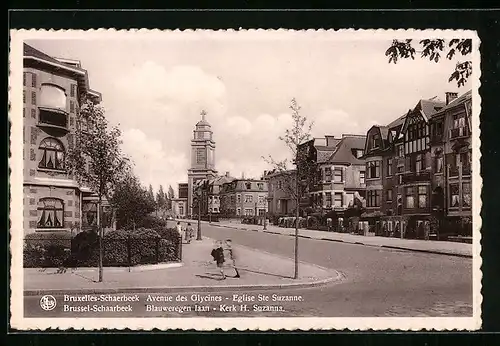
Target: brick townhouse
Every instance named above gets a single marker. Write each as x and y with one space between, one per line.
52 90
405 172
244 197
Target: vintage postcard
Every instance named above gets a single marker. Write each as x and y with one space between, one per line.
248 180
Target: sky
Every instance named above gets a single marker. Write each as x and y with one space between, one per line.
154 90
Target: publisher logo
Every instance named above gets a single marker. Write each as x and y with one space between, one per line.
48 302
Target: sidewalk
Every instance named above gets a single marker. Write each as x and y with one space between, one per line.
258 270
430 246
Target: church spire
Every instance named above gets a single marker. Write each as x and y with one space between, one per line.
203 113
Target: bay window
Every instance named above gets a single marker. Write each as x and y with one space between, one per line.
50 213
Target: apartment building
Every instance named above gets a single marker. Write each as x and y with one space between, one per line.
398 174
451 157
244 197
281 195
179 204
52 90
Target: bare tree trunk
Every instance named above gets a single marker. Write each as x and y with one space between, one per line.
297 200
101 235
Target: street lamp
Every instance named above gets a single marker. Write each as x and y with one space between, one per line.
265 214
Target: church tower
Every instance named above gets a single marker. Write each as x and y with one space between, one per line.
202 157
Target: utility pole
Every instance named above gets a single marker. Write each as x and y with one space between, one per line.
265 214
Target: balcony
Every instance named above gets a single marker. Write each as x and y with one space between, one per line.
415 177
436 139
53 118
459 132
454 171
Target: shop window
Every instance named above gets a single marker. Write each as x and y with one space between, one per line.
50 213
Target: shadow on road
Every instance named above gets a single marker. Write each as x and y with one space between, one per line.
264 273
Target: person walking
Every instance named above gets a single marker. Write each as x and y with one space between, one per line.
189 233
218 256
178 227
231 255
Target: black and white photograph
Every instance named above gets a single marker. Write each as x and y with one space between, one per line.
270 179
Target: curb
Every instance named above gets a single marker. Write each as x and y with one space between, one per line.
360 243
173 289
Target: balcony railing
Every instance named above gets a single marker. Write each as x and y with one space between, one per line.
416 177
459 132
453 171
55 118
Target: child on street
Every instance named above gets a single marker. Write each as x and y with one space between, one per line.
231 255
189 233
218 256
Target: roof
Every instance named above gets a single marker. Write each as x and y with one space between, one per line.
81 74
430 107
399 121
463 98
344 153
221 180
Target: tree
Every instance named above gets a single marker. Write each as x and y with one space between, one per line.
161 199
95 159
294 138
170 197
131 202
434 50
151 196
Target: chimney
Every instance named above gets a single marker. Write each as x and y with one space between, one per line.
265 173
450 96
227 174
242 175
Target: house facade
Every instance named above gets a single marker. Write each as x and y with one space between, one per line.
244 197
451 156
281 197
52 90
406 169
179 204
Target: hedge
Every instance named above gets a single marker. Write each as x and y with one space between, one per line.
121 248
46 249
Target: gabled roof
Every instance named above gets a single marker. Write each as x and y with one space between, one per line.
324 152
426 108
344 153
463 98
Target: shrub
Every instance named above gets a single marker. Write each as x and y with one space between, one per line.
171 243
46 249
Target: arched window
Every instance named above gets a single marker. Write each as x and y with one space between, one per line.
52 154
52 96
50 213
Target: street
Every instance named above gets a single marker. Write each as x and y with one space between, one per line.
379 282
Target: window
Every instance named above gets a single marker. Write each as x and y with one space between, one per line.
248 186
466 195
238 198
24 96
359 153
389 167
89 214
24 78
458 121
181 210
419 163
262 199
33 98
50 213
52 154
422 197
248 198
328 199
337 175
389 196
33 80
338 200
373 198
438 161
232 200
375 141
201 156
454 196
238 211
24 112
401 151
328 173
410 197
260 186
72 92
248 212
373 168
362 177
71 106
280 186
52 96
